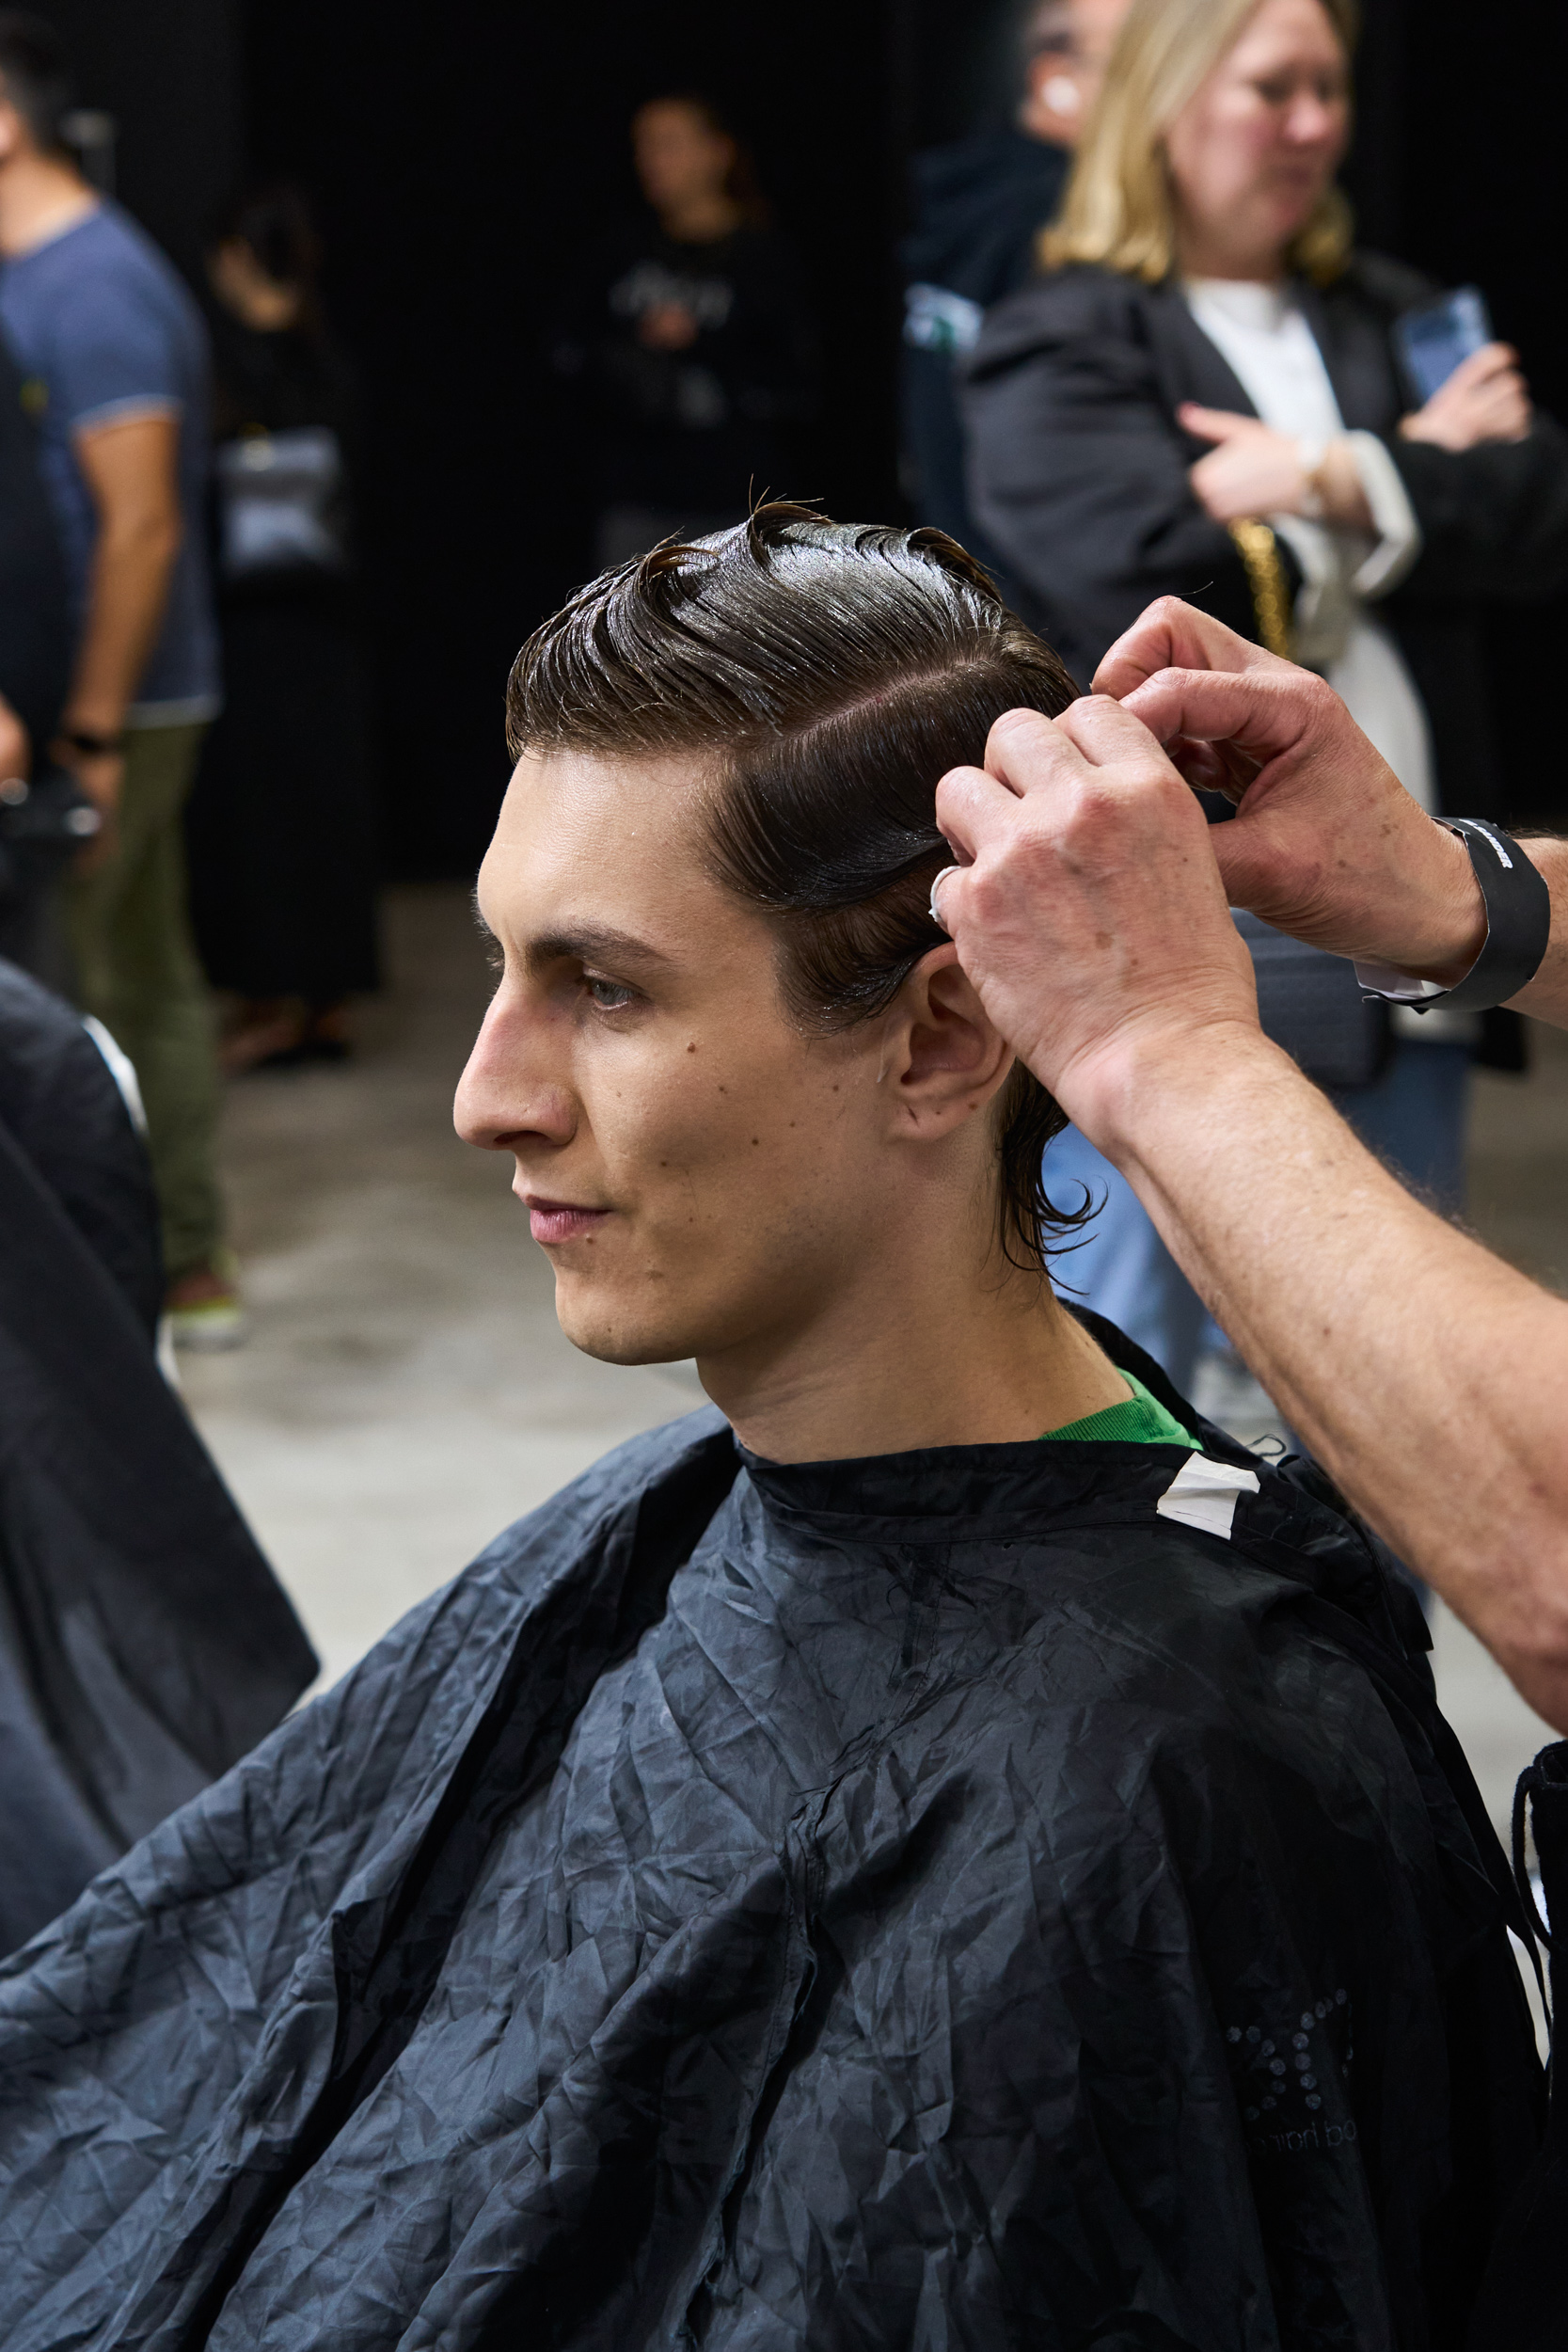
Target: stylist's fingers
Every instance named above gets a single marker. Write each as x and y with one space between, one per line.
1111 734
1259 715
1031 763
1029 753
1170 635
971 808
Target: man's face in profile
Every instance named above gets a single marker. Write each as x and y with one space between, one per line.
701 1174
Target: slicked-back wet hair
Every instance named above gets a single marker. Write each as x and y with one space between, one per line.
827 675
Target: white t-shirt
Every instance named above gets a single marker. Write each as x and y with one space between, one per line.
1271 352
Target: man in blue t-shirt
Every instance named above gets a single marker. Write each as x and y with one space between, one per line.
114 354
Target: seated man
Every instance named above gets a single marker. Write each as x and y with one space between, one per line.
846 1873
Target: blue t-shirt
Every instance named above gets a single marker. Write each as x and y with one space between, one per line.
104 329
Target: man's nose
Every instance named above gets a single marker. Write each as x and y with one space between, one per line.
507 1093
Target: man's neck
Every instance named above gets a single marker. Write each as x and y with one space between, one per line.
974 1355
39 198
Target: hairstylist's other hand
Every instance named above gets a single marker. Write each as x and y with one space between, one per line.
1090 913
1485 399
1325 843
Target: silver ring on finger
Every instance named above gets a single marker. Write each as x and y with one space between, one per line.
936 911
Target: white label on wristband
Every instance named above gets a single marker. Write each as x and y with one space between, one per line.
1381 979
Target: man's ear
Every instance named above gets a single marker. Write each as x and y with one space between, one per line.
942 1061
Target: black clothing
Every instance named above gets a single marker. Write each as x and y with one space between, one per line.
144 1642
1522 2311
37 643
1079 473
60 1105
979 208
942 1900
36 635
697 430
282 827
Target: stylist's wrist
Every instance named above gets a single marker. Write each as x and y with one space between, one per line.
1457 919
1123 1092
1435 928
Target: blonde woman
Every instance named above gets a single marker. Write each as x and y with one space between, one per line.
1202 395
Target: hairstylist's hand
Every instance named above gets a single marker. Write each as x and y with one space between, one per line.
1326 842
1485 399
1090 913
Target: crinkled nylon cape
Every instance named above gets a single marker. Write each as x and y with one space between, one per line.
145 1643
920 1903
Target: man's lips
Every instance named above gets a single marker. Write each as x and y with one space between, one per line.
552 1221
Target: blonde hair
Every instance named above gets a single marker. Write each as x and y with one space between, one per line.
1118 208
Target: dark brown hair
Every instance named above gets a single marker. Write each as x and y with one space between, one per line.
832 673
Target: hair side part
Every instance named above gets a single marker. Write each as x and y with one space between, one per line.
829 675
1117 210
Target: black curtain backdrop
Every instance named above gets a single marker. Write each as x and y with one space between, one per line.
458 154
169 72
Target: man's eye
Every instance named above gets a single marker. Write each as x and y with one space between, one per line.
609 995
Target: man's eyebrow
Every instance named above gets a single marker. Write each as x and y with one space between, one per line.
594 943
585 943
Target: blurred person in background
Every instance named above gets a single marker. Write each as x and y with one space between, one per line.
113 350
43 813
691 332
281 826
977 208
1204 397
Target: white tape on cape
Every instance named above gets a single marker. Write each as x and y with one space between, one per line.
1204 1494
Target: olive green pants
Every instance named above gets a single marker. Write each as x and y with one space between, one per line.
136 969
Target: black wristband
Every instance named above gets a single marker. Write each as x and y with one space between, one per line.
1518 919
95 746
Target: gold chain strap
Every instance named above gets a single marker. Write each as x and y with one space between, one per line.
1271 603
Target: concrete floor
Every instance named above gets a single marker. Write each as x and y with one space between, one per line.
405 1392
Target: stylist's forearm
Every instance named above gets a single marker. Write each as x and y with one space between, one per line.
1546 996
1426 1375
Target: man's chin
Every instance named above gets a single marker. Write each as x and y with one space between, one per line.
595 1329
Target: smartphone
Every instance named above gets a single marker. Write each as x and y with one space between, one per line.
1432 342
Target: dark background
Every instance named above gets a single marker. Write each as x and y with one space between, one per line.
457 154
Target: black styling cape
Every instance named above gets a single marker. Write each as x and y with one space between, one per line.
962 1900
145 1643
